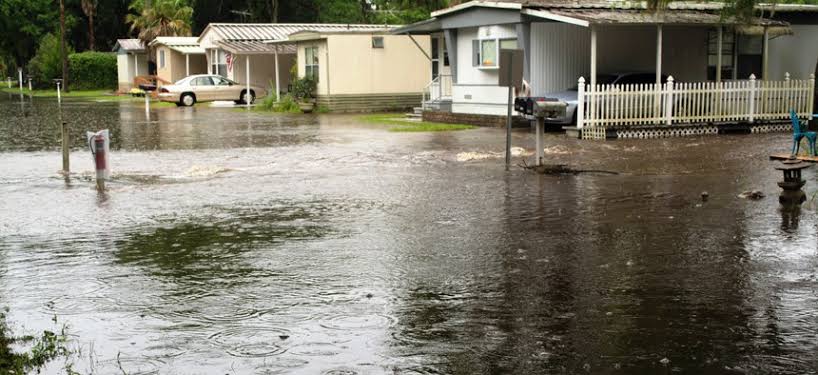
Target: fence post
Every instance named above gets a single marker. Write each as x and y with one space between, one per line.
811 100
669 102
752 97
788 93
580 103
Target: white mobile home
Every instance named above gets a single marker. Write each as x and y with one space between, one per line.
564 41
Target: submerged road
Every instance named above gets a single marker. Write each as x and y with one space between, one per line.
240 242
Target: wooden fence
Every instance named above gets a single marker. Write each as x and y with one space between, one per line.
629 105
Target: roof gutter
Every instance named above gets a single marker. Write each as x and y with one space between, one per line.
555 17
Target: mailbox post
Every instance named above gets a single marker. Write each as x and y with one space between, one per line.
511 76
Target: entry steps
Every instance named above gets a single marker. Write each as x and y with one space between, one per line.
416 114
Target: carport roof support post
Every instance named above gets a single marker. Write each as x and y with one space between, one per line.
247 75
658 54
278 89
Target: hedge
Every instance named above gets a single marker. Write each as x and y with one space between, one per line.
92 70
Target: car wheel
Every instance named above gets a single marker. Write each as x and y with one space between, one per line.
188 100
248 98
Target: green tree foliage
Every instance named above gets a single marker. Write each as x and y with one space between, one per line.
23 23
162 18
92 70
46 64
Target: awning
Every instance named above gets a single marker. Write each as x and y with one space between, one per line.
422 27
246 47
189 50
586 17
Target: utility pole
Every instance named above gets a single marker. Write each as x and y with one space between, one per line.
63 49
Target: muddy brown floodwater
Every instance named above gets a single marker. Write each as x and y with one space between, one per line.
239 242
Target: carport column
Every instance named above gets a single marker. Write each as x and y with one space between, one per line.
658 54
766 46
593 58
592 89
718 54
187 65
278 88
524 43
247 74
135 65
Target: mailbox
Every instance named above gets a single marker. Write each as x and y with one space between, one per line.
550 109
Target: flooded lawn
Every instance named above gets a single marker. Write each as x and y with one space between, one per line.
234 242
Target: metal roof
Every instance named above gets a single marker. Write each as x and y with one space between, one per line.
129 45
279 31
252 47
638 16
615 4
184 44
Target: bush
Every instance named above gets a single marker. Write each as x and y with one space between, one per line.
92 70
46 64
287 104
304 88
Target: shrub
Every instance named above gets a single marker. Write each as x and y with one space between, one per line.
92 70
287 104
304 88
46 64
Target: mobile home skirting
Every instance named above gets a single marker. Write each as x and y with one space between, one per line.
369 102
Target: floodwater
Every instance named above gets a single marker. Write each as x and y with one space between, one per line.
233 242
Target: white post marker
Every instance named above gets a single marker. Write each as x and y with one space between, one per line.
20 77
29 84
9 81
669 102
148 104
59 97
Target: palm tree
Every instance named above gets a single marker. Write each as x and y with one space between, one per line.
161 18
89 7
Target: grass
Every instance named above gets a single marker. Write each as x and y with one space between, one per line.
38 350
400 124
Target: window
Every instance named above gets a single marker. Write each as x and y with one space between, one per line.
161 59
486 52
221 81
377 42
311 62
201 81
728 45
218 62
435 57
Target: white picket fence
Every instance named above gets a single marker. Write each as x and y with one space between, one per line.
628 105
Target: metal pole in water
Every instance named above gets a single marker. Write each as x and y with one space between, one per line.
65 144
540 128
100 160
147 104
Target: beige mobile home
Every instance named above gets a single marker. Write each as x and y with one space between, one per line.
242 52
178 57
364 70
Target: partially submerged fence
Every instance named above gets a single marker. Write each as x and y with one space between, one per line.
617 106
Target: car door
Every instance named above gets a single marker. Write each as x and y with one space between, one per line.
203 88
226 90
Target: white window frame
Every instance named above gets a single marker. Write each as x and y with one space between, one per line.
497 41
215 62
307 64
375 44
161 58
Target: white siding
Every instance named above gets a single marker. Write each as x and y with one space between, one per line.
560 54
795 54
476 90
124 69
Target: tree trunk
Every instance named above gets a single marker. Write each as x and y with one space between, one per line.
274 11
63 49
91 32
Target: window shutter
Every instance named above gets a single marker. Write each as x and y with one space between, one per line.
475 52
